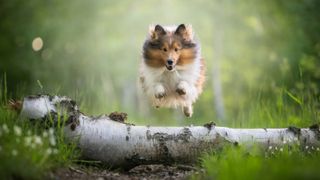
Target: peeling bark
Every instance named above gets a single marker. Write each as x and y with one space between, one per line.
117 143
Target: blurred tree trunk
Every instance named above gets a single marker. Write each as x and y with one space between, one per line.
218 51
128 97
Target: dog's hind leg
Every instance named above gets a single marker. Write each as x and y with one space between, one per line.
188 110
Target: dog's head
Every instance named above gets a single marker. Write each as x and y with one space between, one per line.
170 47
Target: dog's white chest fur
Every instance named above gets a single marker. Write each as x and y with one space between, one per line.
171 88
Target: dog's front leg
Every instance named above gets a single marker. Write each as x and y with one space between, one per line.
159 91
182 88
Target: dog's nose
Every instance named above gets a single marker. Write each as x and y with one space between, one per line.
169 61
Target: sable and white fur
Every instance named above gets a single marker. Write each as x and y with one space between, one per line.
181 84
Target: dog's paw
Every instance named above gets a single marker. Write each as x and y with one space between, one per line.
188 114
181 91
160 95
188 111
182 88
160 91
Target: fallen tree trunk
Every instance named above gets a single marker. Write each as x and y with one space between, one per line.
112 141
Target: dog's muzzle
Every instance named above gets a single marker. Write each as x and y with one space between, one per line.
170 68
170 65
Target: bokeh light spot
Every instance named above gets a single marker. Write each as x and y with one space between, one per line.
37 44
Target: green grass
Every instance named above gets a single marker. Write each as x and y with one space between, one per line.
275 162
27 149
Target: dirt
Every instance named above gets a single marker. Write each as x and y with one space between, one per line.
138 172
118 116
210 125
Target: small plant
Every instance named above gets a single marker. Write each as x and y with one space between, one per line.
285 162
274 162
28 150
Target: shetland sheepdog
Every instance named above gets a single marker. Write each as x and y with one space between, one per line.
172 71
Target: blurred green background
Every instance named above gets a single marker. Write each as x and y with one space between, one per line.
262 56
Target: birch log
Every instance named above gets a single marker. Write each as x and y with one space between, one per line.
115 143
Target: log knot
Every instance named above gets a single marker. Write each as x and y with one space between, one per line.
296 131
118 116
210 125
316 129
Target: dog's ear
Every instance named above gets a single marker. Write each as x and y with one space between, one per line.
185 32
157 31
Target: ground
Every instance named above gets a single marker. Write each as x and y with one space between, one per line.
139 172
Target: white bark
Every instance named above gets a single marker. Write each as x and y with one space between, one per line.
120 144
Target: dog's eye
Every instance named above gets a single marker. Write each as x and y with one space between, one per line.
165 49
